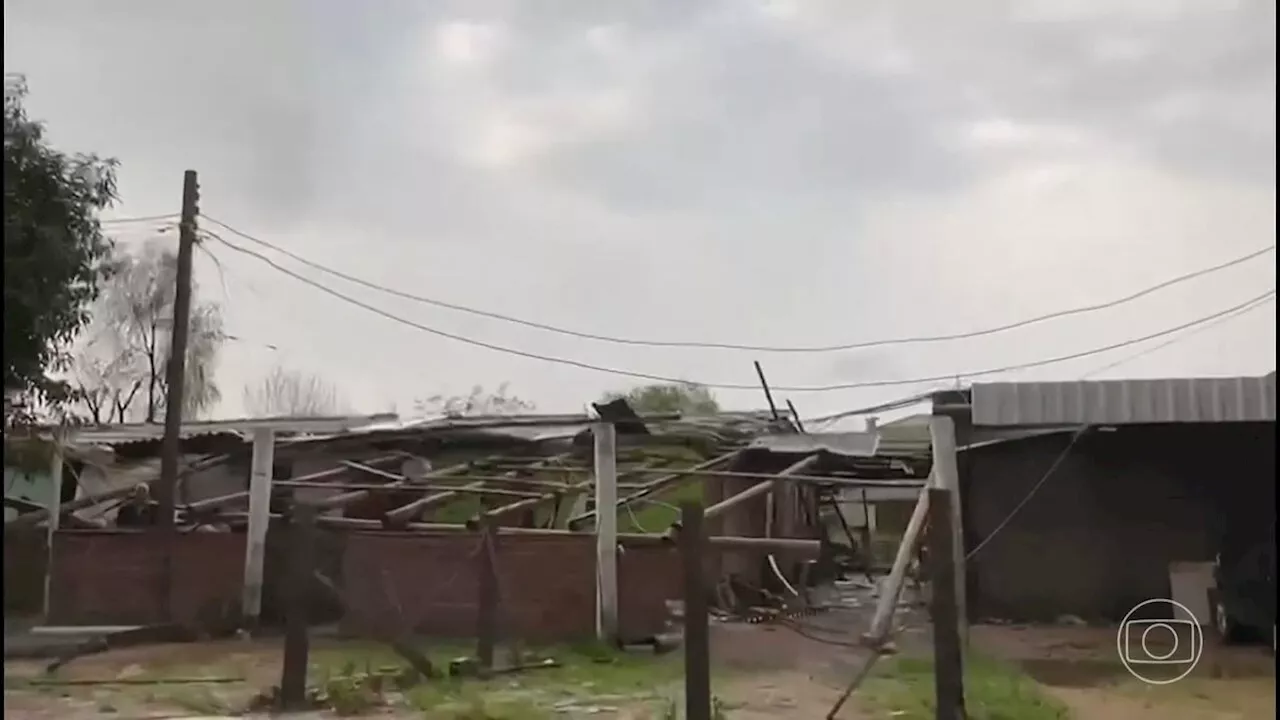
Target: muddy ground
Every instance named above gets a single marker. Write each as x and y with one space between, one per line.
763 672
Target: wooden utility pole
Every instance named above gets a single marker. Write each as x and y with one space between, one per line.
948 658
174 380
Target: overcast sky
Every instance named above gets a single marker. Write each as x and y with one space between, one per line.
763 173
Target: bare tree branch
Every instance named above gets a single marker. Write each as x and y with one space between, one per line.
289 392
122 355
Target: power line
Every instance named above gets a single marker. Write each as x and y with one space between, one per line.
732 346
723 386
1062 457
1185 336
145 218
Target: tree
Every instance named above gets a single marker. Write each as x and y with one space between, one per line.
53 251
662 398
119 371
478 402
290 392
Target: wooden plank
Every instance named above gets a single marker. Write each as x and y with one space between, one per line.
657 486
412 510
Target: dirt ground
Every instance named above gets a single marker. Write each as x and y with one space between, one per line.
764 672
1080 667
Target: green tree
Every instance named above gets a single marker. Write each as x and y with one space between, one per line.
684 398
53 250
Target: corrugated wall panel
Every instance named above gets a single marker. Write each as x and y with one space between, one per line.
1125 402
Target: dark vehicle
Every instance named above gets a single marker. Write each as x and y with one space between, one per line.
1243 599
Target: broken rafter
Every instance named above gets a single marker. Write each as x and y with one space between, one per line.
319 478
661 484
409 511
345 499
755 544
498 513
760 488
372 488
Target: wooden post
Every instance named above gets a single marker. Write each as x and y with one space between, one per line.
260 476
946 475
892 588
487 596
55 516
948 661
171 446
176 371
606 476
293 674
697 632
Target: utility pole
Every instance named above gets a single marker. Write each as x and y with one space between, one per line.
176 375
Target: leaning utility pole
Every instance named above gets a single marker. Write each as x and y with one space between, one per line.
172 446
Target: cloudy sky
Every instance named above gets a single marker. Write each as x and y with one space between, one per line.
781 173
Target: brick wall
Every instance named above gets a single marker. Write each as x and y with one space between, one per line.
115 577
428 584
425 584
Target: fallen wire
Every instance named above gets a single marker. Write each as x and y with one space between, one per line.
127 681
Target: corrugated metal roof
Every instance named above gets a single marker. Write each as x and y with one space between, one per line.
851 444
1125 402
905 436
135 432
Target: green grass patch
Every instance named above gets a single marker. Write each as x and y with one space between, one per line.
654 518
902 688
586 675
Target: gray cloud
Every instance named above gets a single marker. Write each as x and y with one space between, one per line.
762 172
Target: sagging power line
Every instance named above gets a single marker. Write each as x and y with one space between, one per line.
717 385
815 349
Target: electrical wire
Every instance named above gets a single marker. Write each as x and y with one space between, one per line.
720 386
734 346
140 219
1053 467
826 420
1185 336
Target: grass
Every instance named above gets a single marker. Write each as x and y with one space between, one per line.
355 678
586 675
902 688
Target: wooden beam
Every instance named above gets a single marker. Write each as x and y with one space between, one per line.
759 489
661 484
808 548
409 511
882 619
260 477
942 435
345 499
606 478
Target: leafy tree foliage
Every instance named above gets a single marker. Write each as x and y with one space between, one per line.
53 250
663 398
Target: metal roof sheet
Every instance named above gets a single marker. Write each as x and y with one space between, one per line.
1125 402
851 444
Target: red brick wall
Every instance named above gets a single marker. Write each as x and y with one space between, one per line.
428 584
393 582
114 577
